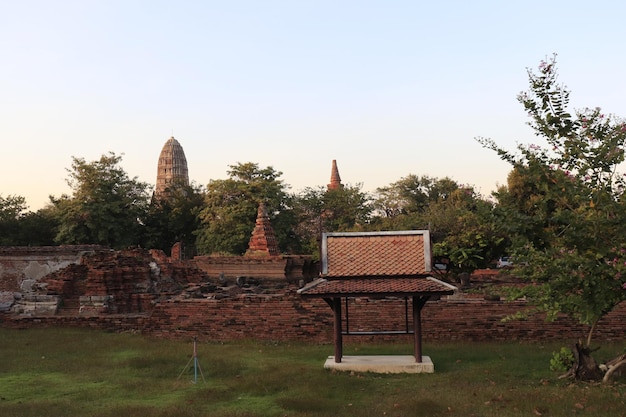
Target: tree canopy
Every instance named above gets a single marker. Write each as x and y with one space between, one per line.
317 210
565 200
230 208
460 220
106 207
173 217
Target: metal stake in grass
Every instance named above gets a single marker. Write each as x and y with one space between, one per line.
196 364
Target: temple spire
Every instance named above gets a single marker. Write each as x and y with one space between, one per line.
172 167
335 179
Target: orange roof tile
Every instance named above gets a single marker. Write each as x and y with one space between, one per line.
379 254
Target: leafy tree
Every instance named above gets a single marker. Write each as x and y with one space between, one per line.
12 208
230 208
463 231
106 206
38 228
174 218
19 227
411 195
460 220
319 209
572 196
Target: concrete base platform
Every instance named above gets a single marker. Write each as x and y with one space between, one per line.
382 364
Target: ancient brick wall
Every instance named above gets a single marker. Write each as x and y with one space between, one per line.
183 299
292 268
284 317
22 267
289 317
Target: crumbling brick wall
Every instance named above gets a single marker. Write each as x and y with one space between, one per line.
287 316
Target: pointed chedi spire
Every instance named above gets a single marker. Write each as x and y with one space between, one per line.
263 241
335 179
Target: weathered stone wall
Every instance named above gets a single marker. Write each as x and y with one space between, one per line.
22 267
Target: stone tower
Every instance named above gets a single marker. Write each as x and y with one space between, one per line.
172 168
263 241
335 179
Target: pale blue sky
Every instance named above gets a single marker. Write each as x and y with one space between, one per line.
387 88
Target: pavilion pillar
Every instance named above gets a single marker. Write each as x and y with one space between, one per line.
338 338
418 303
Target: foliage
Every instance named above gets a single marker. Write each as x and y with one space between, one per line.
412 195
566 202
562 360
19 227
174 218
463 231
460 220
318 210
230 208
12 209
106 206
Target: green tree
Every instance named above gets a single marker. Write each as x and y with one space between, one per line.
230 208
38 228
174 218
402 205
576 253
463 231
106 206
12 209
319 209
19 227
460 221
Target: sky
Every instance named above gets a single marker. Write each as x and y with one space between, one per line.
386 88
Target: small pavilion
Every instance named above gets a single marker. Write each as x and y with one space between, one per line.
393 264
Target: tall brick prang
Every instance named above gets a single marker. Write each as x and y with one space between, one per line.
172 167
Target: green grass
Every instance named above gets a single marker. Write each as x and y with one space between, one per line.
70 372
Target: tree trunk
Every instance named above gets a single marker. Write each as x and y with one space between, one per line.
585 367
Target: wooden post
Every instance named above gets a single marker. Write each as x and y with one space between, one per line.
418 303
337 327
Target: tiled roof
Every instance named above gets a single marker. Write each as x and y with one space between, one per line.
376 254
376 286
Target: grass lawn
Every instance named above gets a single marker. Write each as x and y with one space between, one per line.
71 372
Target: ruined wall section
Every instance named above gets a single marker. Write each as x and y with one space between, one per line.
21 268
148 292
288 317
75 281
282 268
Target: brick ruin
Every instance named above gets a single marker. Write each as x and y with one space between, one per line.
132 281
249 297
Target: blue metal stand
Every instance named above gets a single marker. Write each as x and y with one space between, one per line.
196 364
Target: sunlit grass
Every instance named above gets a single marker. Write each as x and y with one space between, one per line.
69 372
